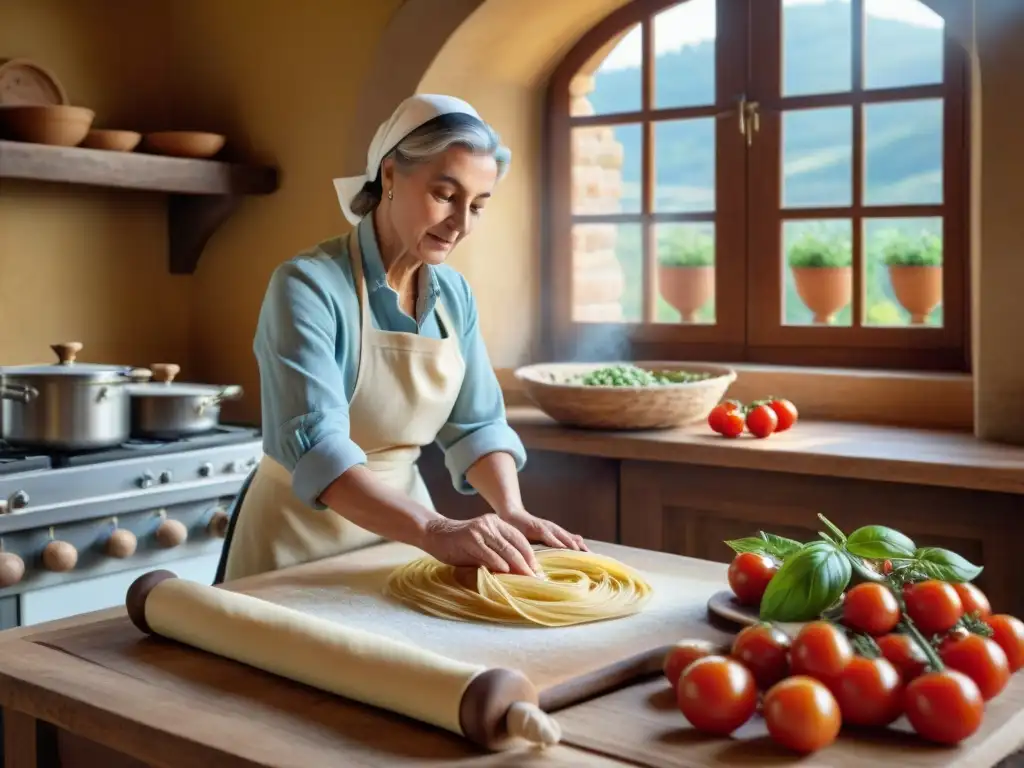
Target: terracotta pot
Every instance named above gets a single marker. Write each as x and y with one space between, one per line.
918 289
686 288
824 290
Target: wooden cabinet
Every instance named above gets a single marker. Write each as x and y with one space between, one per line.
692 510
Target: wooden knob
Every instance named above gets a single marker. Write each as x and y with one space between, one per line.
60 556
12 568
218 525
171 533
165 372
67 351
122 543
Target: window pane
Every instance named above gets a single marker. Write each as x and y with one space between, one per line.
684 157
817 160
903 152
607 273
606 162
903 42
686 273
818 274
903 272
817 46
684 49
611 81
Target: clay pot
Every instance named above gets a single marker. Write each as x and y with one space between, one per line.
918 289
58 125
686 288
824 290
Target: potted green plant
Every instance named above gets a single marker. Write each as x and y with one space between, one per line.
686 271
822 268
915 271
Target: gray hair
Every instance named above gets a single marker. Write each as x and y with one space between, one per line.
430 140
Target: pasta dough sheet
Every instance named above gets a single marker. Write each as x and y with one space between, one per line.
348 589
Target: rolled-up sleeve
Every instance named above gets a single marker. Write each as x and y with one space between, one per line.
477 424
305 404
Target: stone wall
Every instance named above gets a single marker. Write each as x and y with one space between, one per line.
598 280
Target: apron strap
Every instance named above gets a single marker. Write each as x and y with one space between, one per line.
229 535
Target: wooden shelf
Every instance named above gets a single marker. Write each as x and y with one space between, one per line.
202 194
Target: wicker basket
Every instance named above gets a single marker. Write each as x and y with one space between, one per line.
550 386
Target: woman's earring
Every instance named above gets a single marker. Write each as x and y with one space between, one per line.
391 195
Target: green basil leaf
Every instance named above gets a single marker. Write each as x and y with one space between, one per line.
876 542
808 582
778 547
862 571
944 565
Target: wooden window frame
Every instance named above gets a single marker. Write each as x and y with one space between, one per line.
747 192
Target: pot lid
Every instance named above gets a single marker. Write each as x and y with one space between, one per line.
164 385
67 365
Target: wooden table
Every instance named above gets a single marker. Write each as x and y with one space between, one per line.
62 710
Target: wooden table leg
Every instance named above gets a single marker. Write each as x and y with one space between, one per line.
19 740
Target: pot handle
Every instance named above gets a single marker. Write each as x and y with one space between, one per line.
21 393
230 392
165 372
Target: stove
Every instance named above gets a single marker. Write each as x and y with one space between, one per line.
82 497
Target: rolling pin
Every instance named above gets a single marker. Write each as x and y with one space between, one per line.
492 707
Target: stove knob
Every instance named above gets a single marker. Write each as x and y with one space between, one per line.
12 568
205 469
231 468
171 533
60 556
218 525
251 462
146 480
18 500
3 507
166 476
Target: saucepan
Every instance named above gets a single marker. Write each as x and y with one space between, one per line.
163 409
67 405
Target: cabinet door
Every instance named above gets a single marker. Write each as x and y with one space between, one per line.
692 511
580 493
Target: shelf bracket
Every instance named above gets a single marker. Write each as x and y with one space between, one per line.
191 222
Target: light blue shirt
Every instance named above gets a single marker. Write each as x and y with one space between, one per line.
307 346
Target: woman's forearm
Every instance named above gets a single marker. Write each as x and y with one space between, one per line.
361 498
495 478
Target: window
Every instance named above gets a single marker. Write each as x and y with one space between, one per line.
772 181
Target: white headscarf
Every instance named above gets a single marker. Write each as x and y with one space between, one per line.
410 115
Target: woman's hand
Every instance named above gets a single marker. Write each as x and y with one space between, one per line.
486 541
538 529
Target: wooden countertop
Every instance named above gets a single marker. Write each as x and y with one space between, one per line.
838 449
172 706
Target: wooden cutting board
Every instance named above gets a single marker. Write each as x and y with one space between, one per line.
566 664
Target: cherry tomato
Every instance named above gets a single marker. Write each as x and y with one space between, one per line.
1008 633
871 607
801 714
749 575
717 694
974 600
763 649
933 605
732 424
869 692
761 421
785 411
887 567
685 653
980 659
820 650
904 654
944 707
718 413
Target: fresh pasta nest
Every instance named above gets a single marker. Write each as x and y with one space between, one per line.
579 587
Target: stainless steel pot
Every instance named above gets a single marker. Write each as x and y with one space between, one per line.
66 406
163 409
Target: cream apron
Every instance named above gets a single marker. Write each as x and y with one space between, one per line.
405 389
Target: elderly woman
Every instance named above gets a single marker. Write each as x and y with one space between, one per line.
369 348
